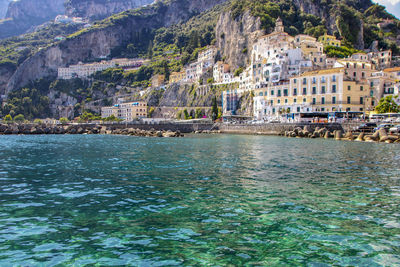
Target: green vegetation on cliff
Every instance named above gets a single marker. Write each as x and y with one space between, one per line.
349 17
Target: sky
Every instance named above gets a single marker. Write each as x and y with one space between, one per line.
392 6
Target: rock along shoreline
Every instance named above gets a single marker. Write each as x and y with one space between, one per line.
379 136
40 129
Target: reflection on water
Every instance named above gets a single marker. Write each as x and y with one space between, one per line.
202 200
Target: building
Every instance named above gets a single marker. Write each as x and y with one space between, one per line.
220 69
177 76
381 59
157 80
326 90
329 40
126 111
208 54
83 71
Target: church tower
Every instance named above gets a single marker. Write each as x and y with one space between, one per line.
279 25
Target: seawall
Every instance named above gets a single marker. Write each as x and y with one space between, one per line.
273 128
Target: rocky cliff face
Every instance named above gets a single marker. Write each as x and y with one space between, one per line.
24 14
99 9
3 8
235 38
98 42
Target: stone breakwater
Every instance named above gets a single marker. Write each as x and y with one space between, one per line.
34 129
379 136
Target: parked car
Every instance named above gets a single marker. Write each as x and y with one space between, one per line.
385 126
366 127
395 129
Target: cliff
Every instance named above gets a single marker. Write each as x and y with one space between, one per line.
235 37
3 8
24 14
99 9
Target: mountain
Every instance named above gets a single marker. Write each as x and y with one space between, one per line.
3 8
176 30
100 9
22 15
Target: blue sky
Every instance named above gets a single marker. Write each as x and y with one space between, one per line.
392 6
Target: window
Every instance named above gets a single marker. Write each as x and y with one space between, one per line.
304 91
323 100
314 101
304 81
272 92
295 81
272 102
260 94
295 100
354 74
279 101
363 74
314 90
334 88
333 99
361 100
285 92
295 91
348 100
334 78
314 81
298 109
273 110
286 101
304 100
279 93
349 87
323 90
323 80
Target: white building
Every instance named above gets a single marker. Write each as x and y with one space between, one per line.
85 70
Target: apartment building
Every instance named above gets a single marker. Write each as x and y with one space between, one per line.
329 40
317 91
126 111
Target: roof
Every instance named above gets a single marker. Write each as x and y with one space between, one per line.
392 69
325 71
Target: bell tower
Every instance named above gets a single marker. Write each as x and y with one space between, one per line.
279 25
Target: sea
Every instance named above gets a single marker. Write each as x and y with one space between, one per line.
202 200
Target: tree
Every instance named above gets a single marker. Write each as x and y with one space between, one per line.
186 114
214 109
38 121
387 105
8 118
19 118
63 121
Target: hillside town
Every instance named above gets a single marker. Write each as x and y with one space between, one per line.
290 78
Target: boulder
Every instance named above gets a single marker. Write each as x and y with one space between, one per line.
349 136
360 137
338 134
159 134
382 135
328 135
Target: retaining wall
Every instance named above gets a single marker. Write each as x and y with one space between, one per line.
274 128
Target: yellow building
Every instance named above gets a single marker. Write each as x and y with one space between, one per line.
326 90
329 40
177 77
157 80
126 111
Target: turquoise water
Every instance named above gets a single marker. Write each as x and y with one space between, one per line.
198 201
